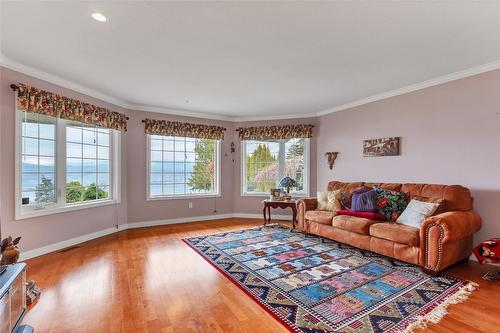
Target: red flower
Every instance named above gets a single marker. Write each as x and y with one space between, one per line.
382 202
395 216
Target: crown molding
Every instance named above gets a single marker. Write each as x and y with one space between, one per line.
36 73
417 86
179 112
276 117
42 75
57 80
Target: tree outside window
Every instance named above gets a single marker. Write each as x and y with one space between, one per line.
267 162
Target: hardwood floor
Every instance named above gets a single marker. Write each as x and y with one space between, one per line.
147 280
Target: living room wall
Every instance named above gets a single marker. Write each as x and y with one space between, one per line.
142 210
50 229
450 134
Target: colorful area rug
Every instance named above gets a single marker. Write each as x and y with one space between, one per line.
315 285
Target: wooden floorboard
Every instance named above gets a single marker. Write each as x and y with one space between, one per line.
147 280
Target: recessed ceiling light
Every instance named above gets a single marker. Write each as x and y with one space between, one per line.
99 17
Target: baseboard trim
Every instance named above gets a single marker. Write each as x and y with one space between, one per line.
154 223
260 216
133 225
69 242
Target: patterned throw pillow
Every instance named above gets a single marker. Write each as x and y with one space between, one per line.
391 203
416 212
364 202
329 200
346 196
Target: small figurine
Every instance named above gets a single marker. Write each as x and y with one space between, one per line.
9 251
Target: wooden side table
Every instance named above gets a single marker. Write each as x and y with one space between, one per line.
268 204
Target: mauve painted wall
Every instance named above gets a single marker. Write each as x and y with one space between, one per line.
450 134
45 230
140 209
249 204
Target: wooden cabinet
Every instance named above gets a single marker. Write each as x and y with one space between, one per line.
5 313
12 297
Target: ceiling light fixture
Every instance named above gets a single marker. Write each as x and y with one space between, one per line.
99 17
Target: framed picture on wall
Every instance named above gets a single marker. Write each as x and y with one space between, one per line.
381 147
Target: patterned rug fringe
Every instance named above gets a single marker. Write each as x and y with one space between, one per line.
435 316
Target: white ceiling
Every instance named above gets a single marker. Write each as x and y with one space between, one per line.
242 60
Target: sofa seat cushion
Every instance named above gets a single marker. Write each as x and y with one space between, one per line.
320 216
355 224
396 232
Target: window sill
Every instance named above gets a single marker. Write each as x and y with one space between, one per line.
57 210
200 196
264 195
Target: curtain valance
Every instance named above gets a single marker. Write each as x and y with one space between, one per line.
35 100
275 132
177 128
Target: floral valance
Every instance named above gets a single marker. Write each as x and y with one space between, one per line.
177 128
35 100
275 132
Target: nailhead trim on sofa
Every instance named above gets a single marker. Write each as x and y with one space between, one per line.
440 246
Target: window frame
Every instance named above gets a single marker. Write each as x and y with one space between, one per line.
60 205
216 194
307 173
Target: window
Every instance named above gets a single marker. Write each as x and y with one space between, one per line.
38 156
87 162
64 165
182 167
264 163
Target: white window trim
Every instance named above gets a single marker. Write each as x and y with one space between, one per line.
243 180
217 194
61 207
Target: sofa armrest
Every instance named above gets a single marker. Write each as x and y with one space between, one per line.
455 225
303 205
447 238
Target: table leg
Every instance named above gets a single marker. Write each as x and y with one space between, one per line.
269 213
294 217
264 212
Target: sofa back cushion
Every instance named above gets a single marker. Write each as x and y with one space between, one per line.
347 187
456 197
386 186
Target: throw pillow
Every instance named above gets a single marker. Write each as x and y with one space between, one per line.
416 212
391 203
346 196
329 200
441 202
366 215
364 202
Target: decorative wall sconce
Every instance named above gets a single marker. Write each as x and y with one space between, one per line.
331 156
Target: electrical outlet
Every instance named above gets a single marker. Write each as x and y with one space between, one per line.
190 205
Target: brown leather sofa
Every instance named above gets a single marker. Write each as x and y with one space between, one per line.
441 241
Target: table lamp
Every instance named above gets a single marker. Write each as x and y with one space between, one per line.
287 182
